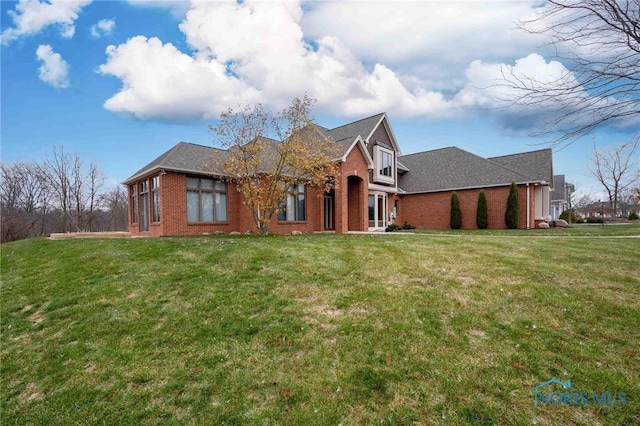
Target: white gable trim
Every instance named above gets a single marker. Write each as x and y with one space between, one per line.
385 121
358 141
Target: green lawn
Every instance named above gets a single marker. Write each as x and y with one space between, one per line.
454 328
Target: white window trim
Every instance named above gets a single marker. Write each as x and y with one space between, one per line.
377 177
384 208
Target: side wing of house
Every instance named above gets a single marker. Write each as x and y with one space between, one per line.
432 176
185 192
182 192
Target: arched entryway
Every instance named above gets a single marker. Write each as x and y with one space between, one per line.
355 202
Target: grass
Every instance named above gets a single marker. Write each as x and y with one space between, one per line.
320 330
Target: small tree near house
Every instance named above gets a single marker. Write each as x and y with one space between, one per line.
456 213
267 154
512 215
482 214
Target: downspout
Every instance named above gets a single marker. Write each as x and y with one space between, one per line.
528 205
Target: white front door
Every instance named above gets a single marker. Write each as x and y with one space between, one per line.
378 211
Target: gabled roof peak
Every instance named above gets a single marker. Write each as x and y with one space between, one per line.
376 116
542 150
363 128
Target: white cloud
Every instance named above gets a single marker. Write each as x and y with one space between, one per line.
160 82
432 40
490 89
54 70
254 51
103 27
31 16
367 58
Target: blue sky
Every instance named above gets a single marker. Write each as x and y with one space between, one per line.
121 82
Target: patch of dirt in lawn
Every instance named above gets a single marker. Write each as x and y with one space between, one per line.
36 318
30 393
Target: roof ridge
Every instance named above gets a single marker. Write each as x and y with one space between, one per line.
432 150
194 144
520 153
164 155
357 121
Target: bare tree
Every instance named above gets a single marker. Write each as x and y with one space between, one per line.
599 43
615 169
84 190
95 182
24 201
580 199
77 193
57 195
628 201
115 204
11 189
75 187
58 170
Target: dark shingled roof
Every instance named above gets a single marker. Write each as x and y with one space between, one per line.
191 158
438 170
536 164
453 168
351 131
184 157
344 143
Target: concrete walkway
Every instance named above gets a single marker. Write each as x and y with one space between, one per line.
71 235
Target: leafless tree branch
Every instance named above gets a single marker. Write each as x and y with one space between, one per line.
598 41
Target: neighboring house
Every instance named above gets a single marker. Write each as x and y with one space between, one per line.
560 196
600 209
183 192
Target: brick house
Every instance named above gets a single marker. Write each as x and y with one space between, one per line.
182 193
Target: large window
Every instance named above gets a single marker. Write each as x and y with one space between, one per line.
292 208
144 205
155 199
385 163
206 200
384 171
134 203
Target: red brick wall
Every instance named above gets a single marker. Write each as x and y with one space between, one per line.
355 203
433 210
356 166
430 211
173 202
173 216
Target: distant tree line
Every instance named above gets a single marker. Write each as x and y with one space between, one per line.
58 194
